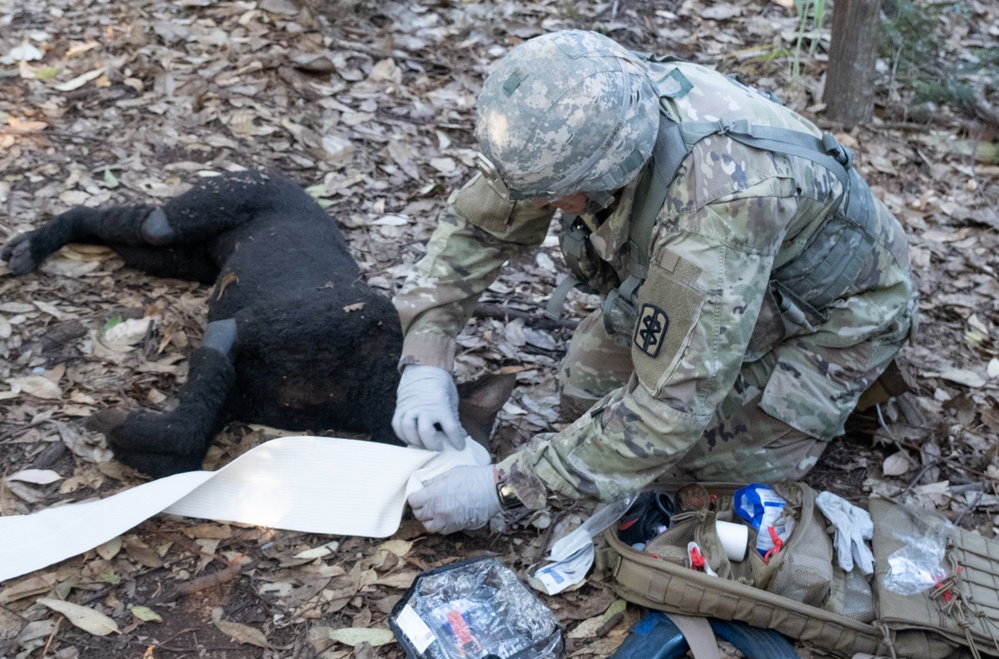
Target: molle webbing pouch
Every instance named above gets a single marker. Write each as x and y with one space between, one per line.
800 590
834 256
962 606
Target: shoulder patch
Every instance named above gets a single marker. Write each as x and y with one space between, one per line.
650 331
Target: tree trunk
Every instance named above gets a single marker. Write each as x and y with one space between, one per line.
849 93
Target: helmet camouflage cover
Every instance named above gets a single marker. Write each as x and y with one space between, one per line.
567 112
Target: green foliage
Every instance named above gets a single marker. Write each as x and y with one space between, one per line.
811 14
112 321
924 59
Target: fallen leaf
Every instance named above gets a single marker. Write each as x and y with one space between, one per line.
80 48
242 633
25 126
109 549
319 552
400 580
209 531
354 636
932 495
385 71
87 619
27 588
588 628
36 476
963 376
721 12
357 306
23 53
81 80
392 221
286 7
122 336
400 548
444 165
35 385
338 148
896 464
145 614
110 180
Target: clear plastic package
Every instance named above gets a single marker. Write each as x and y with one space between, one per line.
919 564
475 609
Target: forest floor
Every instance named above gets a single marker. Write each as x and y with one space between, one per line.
369 104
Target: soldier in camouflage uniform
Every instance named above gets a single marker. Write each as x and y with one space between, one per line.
747 342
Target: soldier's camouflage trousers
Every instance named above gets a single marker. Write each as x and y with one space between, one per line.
742 443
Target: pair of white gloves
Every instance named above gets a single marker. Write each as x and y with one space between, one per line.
853 526
426 416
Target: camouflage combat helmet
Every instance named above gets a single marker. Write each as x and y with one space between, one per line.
567 112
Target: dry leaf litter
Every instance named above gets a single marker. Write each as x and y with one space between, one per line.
370 105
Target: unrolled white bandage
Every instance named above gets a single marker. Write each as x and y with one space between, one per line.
312 484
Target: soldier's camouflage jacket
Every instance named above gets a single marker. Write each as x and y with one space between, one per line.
733 217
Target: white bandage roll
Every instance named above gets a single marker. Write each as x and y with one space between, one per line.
734 539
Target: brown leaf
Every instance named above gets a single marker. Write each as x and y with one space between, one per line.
209 531
239 632
27 588
25 126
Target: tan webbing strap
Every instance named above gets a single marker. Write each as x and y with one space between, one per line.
699 635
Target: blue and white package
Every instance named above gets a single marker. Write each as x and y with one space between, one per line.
763 508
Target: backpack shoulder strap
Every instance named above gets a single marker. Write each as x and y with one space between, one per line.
674 143
667 154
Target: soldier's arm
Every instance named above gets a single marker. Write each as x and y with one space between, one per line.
478 231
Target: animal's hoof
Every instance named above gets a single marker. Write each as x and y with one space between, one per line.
106 421
17 254
156 229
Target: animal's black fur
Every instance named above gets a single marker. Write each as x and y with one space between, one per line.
314 348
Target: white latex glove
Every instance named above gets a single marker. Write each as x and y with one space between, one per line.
426 409
853 527
459 499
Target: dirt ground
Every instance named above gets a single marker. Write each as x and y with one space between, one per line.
370 106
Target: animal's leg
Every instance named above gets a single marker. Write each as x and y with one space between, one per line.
158 465
138 233
157 443
104 226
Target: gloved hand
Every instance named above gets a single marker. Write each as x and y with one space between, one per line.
853 526
426 409
460 498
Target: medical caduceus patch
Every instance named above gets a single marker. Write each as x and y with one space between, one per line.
651 329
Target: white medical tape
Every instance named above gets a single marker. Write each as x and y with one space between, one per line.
321 485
